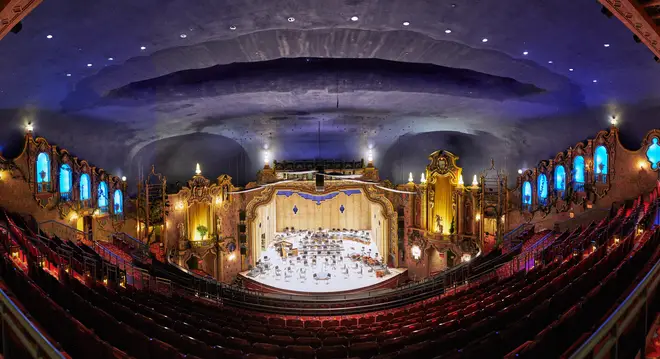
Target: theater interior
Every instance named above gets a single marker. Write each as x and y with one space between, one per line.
330 179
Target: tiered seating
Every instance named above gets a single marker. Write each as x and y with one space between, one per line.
537 313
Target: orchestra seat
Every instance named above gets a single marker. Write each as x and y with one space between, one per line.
332 352
299 351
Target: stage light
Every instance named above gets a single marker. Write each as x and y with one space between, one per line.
355 18
198 170
613 120
123 178
410 177
475 182
448 31
406 23
461 183
29 127
520 171
422 179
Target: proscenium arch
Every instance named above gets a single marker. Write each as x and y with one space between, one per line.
372 195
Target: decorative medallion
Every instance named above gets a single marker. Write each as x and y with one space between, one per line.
653 153
295 209
341 208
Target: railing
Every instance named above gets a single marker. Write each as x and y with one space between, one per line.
29 337
606 338
141 249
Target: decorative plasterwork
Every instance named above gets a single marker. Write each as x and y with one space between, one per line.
443 163
635 18
199 189
651 144
13 12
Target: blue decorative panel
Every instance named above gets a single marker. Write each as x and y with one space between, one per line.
527 193
103 196
295 209
542 186
118 200
578 169
65 179
341 208
318 199
653 153
560 178
600 164
43 168
84 187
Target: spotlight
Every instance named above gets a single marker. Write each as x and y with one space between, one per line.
595 81
68 75
484 40
183 36
571 70
605 11
143 48
550 61
111 58
525 53
606 45
89 65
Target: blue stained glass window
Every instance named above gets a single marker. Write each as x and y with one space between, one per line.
84 187
103 196
560 178
653 153
65 181
527 193
600 164
542 187
43 168
578 169
118 201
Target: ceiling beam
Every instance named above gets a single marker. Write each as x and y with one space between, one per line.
635 18
12 12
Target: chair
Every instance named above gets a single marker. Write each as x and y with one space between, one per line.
363 350
299 351
266 349
332 352
312 342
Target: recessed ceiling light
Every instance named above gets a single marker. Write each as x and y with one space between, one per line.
525 53
550 61
183 36
484 40
142 48
49 36
406 23
111 58
606 45
595 81
291 19
448 31
233 27
355 18
571 70
68 75
89 65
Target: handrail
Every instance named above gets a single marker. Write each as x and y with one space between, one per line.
133 239
60 224
30 337
641 291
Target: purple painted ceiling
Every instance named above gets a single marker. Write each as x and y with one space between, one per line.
175 82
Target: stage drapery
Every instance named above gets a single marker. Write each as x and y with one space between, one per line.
340 211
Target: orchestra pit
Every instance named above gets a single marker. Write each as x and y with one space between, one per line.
331 179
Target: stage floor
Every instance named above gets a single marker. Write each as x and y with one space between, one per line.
329 278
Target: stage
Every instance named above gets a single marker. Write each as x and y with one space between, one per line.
321 262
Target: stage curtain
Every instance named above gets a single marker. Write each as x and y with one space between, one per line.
443 204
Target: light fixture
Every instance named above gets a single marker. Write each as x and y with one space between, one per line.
198 170
448 31
74 216
406 23
595 81
525 53
68 75
111 58
218 200
410 177
484 40
416 252
29 127
641 164
232 27
370 156
178 207
520 171
461 183
49 36
477 217
266 158
422 179
475 182
232 256
550 61
89 65
606 45
291 19
571 70
355 18
183 36
613 120
123 178
143 48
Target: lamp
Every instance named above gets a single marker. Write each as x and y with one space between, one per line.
461 183
613 120
29 127
123 178
370 156
410 178
416 252
475 183
266 158
477 217
422 179
198 170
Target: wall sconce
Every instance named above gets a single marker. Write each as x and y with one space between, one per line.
198 170
416 252
520 171
73 216
266 158
613 121
616 240
477 217
466 257
123 178
179 206
370 156
410 178
422 179
503 218
29 127
475 183
232 256
642 165
218 200
461 183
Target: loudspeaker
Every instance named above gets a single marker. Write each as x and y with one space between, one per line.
17 28
637 39
606 12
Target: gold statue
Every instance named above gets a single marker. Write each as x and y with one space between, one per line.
438 223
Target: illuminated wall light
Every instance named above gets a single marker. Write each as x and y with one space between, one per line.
422 179
477 217
266 158
641 164
74 216
448 31
370 156
406 23
232 27
613 121
461 183
198 170
355 18
416 252
178 206
475 182
232 256
123 178
218 200
29 127
520 171
410 177
143 48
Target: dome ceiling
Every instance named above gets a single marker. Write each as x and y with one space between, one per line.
176 82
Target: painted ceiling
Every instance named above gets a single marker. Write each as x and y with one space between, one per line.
128 84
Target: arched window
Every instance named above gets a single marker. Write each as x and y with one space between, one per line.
103 197
560 178
600 164
84 187
527 195
578 173
65 182
43 172
542 188
118 201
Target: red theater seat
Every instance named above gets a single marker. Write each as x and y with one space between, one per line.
294 323
266 349
312 342
332 352
329 341
299 351
363 350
